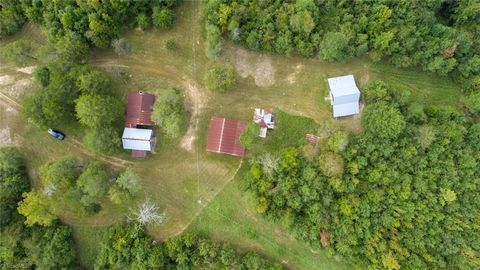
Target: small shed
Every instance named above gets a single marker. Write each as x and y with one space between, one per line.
344 96
264 118
138 140
224 136
139 109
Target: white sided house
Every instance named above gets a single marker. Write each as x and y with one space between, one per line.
139 140
344 96
264 118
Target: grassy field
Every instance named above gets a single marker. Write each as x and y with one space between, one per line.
200 191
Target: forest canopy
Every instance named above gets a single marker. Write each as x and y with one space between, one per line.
439 36
401 195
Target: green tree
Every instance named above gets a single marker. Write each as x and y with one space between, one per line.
96 111
36 208
220 78
93 182
51 247
333 47
103 140
129 181
11 18
93 81
302 22
382 121
71 49
168 112
472 102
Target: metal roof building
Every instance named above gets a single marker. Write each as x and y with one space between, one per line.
139 109
137 139
224 136
344 96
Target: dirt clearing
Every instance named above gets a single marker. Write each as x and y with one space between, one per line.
5 137
259 67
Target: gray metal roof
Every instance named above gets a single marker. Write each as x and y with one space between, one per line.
343 86
345 109
137 139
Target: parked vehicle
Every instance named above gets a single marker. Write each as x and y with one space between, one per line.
56 134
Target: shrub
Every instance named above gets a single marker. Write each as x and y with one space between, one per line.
163 18
213 41
170 44
143 21
42 76
220 78
19 52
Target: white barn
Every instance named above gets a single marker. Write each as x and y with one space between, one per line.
138 139
344 96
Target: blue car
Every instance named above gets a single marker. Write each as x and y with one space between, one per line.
56 134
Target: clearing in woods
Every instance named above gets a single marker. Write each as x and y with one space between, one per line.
200 191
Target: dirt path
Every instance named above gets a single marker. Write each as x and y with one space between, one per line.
198 100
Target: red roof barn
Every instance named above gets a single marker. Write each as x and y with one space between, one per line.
139 109
224 136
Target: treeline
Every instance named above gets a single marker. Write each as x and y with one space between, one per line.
439 36
401 195
25 246
128 247
93 22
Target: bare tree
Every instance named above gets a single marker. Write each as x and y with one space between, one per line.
147 213
269 164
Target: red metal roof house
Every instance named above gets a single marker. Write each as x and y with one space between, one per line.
139 109
224 136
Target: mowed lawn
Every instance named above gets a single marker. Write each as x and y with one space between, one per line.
199 191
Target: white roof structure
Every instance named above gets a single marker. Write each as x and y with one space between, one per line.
265 120
344 96
138 139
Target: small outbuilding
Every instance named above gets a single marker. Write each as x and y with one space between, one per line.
344 96
264 118
139 140
139 110
224 136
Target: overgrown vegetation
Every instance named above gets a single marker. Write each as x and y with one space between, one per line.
81 92
440 36
66 184
128 246
399 195
32 247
